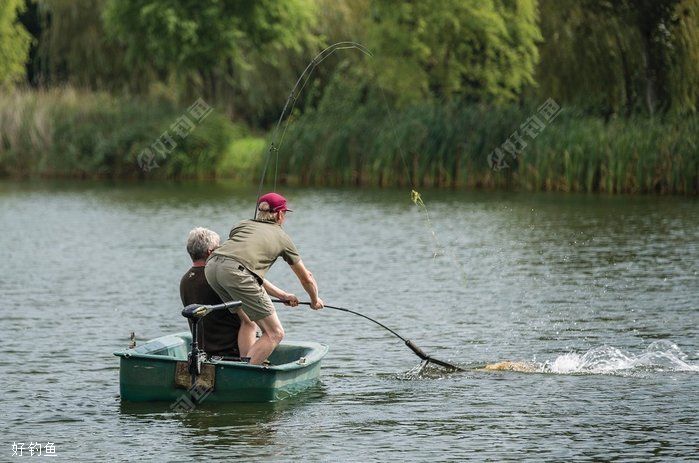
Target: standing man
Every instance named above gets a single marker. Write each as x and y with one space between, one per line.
237 269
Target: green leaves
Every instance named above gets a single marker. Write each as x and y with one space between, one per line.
14 43
221 50
475 51
621 57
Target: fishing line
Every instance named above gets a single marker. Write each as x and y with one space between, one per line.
291 100
415 195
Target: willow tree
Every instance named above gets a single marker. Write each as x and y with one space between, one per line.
683 79
622 56
473 51
14 43
74 49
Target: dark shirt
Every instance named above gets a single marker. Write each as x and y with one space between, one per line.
219 335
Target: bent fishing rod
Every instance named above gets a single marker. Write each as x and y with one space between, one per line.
411 345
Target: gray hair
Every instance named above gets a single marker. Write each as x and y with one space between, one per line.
200 241
264 213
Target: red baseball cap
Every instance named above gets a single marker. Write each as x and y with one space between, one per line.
276 202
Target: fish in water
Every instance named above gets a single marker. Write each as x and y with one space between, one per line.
523 367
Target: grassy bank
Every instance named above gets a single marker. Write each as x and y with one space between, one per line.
66 133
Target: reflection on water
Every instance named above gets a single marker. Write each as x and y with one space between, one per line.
551 280
224 424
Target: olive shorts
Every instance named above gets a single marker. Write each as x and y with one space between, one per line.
233 282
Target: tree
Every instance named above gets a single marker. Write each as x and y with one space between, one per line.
477 51
209 45
74 49
621 56
14 43
683 79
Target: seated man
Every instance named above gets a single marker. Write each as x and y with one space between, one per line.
219 330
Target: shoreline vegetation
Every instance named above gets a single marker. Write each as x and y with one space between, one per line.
69 133
93 88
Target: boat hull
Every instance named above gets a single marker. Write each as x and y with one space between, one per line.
149 373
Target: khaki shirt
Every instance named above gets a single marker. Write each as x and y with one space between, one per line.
257 245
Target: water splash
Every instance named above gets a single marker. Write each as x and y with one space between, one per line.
425 371
659 356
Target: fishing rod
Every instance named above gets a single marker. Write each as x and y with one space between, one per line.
290 104
411 345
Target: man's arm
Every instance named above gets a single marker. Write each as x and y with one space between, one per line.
274 291
308 283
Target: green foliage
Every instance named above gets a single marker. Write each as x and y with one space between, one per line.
621 57
214 49
75 134
243 159
14 43
461 72
73 49
683 78
476 51
608 57
349 141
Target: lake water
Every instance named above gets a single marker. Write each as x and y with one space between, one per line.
600 294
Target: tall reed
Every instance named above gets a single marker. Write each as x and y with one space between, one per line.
352 139
447 145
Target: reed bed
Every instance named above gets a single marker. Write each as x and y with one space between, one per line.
352 139
439 145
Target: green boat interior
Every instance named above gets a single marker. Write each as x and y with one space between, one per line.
177 346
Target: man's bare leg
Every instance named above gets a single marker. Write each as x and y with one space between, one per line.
272 335
247 333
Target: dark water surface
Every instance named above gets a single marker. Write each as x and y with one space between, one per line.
600 294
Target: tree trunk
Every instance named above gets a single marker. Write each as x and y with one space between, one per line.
627 92
649 76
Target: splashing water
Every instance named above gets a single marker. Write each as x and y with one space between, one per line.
658 356
425 370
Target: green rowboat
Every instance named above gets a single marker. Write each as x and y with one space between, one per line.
157 371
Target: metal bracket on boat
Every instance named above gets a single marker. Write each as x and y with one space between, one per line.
196 312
